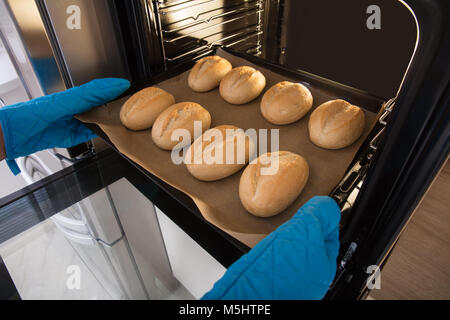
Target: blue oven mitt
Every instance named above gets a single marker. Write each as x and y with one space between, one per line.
296 261
47 122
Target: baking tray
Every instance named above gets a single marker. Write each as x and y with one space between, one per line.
218 202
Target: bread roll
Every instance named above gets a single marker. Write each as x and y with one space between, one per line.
336 124
266 189
286 102
207 73
179 116
218 153
242 85
141 109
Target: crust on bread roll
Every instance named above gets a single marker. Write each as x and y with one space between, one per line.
219 153
242 85
179 116
207 73
142 108
336 124
286 102
266 189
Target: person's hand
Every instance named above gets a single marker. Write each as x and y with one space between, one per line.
296 261
47 122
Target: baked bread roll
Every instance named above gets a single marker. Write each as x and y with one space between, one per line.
272 182
207 73
286 102
219 153
179 116
336 124
141 109
242 85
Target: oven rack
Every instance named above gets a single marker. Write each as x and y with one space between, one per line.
199 51
388 107
167 4
189 29
348 189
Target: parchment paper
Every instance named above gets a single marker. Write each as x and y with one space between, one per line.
218 201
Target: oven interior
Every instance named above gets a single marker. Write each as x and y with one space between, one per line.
177 31
328 39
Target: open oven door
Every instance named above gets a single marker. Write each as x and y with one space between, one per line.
410 150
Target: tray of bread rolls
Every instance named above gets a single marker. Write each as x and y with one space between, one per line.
247 140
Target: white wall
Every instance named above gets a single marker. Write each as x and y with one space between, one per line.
8 182
195 268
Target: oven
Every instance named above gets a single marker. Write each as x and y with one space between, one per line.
143 39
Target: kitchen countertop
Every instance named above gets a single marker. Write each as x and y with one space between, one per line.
33 204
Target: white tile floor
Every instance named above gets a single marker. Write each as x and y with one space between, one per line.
37 261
